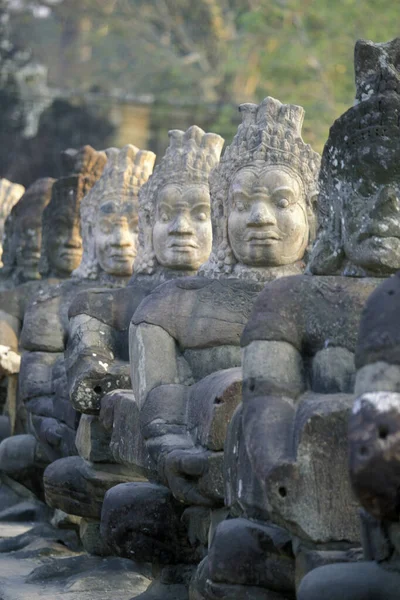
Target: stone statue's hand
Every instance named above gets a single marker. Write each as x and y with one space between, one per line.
51 432
183 470
89 386
10 361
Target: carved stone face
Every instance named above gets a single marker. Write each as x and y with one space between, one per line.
371 223
267 224
182 233
64 245
116 233
27 241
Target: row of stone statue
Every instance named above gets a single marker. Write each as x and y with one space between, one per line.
196 417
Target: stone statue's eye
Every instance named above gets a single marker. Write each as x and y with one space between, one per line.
164 217
283 202
240 205
202 216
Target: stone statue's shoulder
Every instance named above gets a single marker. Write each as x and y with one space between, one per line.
310 312
96 303
163 299
379 334
16 300
275 314
114 307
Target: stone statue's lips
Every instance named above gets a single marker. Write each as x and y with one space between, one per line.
183 244
123 255
71 252
263 236
28 254
29 258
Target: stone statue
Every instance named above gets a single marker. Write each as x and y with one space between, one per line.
10 193
22 244
374 462
23 235
286 449
174 240
109 216
38 321
111 208
184 337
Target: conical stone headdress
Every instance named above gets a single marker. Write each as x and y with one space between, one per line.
126 171
189 158
269 135
81 169
10 193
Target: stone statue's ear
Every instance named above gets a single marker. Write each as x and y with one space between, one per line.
311 207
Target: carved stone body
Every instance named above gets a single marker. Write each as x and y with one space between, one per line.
373 459
111 205
42 320
184 337
288 441
174 238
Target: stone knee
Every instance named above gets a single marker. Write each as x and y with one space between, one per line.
349 581
143 521
247 553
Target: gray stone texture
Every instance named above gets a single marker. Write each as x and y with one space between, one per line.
78 487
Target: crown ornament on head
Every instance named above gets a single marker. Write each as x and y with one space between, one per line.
363 143
189 159
367 136
126 171
82 168
269 135
376 68
85 161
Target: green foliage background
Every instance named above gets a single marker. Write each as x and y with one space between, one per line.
211 54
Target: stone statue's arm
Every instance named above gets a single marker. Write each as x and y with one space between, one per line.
273 379
180 464
160 381
10 329
163 422
91 364
154 360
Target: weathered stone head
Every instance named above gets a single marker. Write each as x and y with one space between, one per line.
62 242
23 233
174 205
10 193
109 214
359 209
263 193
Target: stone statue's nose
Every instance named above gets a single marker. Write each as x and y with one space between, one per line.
387 203
74 239
374 450
121 236
261 215
181 225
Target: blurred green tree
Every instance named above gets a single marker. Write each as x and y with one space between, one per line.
209 52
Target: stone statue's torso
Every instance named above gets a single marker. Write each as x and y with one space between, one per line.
200 312
310 312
